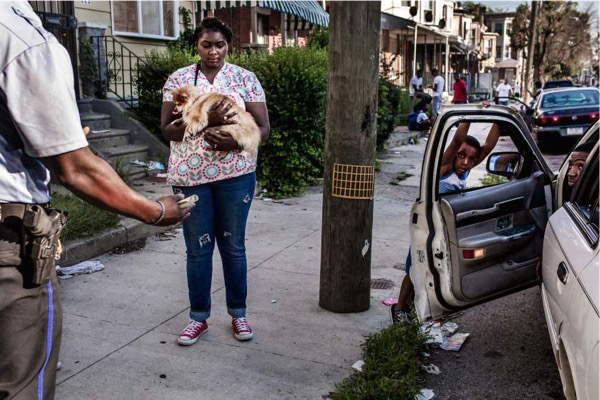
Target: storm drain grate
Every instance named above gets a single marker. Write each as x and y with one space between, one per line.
381 284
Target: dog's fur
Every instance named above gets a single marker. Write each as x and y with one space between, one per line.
194 107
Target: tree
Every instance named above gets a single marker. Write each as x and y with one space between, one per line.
563 42
475 9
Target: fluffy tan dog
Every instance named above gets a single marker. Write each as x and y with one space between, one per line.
194 107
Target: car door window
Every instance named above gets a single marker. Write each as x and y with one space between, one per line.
494 223
583 207
479 176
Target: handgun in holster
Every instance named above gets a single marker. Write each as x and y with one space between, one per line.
44 226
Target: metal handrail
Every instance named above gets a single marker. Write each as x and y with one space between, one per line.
117 68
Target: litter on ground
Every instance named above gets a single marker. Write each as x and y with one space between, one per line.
431 369
389 302
426 394
449 328
358 365
85 267
149 165
454 342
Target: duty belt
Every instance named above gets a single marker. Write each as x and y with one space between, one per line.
8 210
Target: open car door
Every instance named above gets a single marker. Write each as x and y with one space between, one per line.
483 242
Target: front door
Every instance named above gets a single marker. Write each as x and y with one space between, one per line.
477 235
58 18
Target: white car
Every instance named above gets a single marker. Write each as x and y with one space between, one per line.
472 246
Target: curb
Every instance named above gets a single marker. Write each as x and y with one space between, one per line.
128 230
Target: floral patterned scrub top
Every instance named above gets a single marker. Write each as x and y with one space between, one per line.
192 162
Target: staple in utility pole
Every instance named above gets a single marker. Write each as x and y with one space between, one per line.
351 132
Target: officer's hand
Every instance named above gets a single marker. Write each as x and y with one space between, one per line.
174 213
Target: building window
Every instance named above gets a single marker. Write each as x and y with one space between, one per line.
499 28
262 28
406 3
507 52
153 19
498 51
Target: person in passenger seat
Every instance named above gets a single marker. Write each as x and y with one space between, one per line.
577 160
463 153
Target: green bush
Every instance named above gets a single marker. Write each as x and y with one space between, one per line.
84 220
150 80
295 83
392 102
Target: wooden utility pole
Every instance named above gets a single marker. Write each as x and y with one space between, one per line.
529 75
351 132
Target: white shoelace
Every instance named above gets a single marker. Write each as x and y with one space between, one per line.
241 324
192 328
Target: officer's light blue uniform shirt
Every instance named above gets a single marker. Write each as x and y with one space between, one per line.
38 111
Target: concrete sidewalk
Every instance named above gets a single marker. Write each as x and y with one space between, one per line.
121 324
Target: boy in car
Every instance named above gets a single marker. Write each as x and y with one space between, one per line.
463 154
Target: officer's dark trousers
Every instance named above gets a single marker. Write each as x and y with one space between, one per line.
30 329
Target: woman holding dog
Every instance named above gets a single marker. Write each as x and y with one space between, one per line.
225 185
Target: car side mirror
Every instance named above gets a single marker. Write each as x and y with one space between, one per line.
505 163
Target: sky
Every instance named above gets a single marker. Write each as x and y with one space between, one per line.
512 5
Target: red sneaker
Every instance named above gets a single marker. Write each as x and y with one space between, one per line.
192 332
241 329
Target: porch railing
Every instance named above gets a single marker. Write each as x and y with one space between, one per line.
117 68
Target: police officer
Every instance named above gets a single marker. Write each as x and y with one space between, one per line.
39 129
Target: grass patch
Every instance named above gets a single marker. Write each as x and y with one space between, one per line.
400 177
391 369
492 179
84 220
377 165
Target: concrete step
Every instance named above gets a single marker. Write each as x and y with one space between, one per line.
136 172
85 105
122 155
106 138
95 121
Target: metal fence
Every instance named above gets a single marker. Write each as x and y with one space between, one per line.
117 68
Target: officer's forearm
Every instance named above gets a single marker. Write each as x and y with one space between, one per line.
92 179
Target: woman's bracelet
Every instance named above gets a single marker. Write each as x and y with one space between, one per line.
162 212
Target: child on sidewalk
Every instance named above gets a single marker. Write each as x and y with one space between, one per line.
418 120
462 155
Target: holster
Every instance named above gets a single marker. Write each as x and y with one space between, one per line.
43 226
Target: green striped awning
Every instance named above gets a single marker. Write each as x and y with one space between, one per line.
301 14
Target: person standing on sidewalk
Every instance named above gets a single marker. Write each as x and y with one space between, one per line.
438 89
460 90
39 129
518 89
416 85
503 90
225 185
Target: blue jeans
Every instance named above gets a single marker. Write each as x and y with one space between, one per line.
437 104
220 216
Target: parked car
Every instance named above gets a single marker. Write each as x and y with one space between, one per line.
558 84
564 113
475 245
